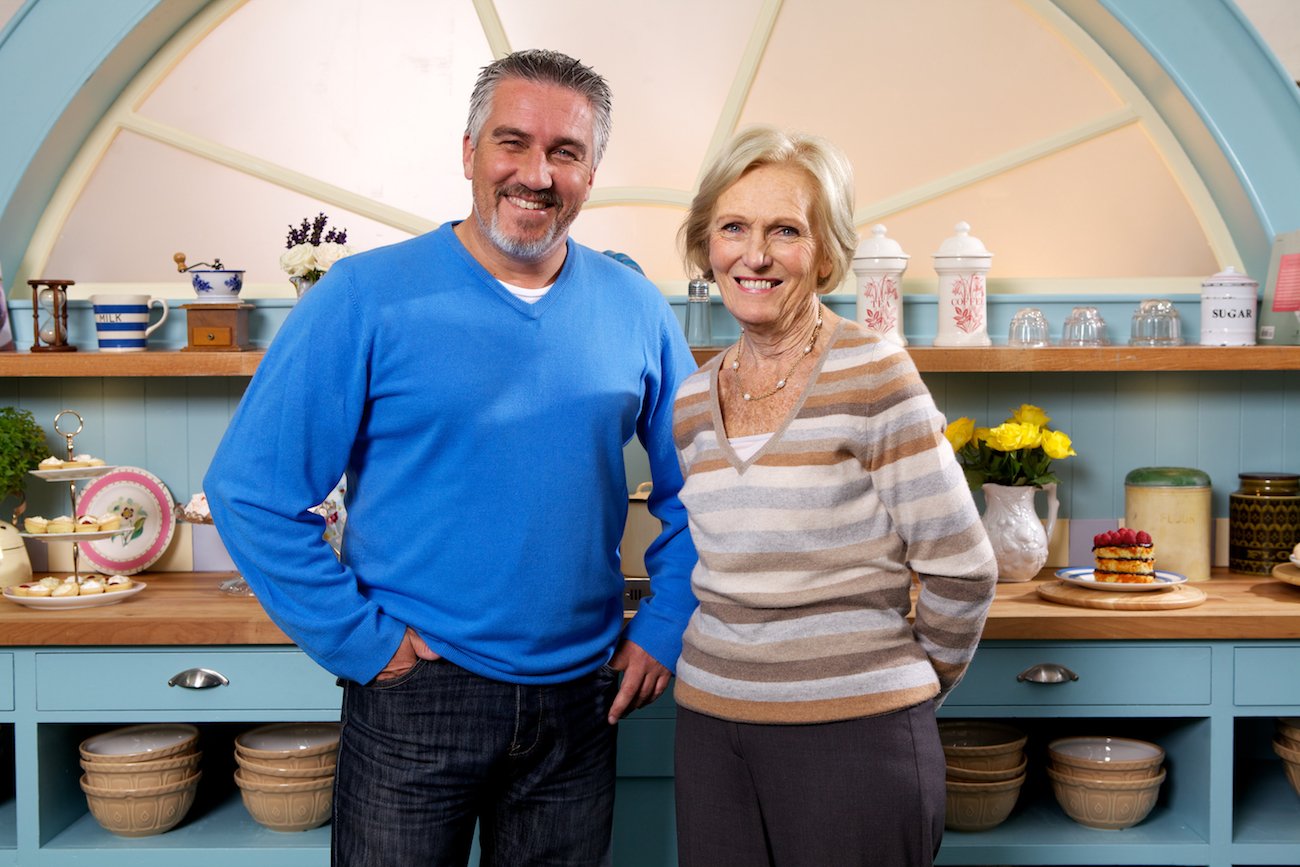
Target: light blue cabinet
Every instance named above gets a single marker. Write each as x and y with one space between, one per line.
1211 704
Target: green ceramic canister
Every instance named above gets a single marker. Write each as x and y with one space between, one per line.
1173 505
1263 521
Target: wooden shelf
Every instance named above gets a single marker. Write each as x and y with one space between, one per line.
149 363
929 359
1002 359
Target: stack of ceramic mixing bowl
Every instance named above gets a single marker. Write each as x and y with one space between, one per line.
286 774
1105 782
141 780
1286 743
986 768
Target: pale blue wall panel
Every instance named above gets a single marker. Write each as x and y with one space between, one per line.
1219 433
86 398
964 394
1176 429
1291 423
209 413
1135 419
1261 423
1045 391
167 432
126 421
1092 486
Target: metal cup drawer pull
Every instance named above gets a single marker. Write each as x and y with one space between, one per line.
1046 672
199 678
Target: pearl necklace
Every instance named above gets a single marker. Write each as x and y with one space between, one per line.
780 383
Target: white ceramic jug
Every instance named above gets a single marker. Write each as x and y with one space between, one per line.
1017 534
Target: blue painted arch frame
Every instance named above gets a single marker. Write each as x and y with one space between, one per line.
1199 62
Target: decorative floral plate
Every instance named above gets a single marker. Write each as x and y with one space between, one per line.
1082 577
145 505
95 600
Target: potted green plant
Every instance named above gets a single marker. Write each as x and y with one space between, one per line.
22 448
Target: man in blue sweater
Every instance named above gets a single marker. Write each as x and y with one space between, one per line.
477 384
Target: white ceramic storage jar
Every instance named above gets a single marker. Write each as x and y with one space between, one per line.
962 264
1228 302
878 266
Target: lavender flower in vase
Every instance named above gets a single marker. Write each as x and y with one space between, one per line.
310 250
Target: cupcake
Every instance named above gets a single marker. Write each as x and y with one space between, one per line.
61 524
51 463
91 586
49 582
64 590
87 524
36 524
110 521
37 590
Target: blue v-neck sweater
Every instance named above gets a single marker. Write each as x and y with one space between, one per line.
483 443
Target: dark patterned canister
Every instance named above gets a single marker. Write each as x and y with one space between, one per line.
1263 521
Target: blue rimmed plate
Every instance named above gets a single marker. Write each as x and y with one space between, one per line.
1082 577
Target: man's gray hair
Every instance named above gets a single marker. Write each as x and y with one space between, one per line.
544 67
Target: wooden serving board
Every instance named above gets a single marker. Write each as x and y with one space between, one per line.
1182 596
1288 572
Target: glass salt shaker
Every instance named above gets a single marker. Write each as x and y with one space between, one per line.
698 331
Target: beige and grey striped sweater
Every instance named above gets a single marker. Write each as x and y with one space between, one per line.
807 549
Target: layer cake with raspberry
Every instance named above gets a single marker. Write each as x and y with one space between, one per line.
1124 556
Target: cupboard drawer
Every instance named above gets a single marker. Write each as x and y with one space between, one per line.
1266 675
1140 675
259 679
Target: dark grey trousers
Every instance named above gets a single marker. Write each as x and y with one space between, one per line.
860 792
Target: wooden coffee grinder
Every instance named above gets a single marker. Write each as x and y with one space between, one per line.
53 337
214 327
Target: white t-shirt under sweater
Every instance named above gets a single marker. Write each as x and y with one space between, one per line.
807 547
528 296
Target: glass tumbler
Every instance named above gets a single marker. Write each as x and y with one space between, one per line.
1084 327
1156 323
1028 328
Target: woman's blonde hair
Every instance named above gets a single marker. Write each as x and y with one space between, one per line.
832 209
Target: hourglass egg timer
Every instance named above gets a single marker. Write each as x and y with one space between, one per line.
50 297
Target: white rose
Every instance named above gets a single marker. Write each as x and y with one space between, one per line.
328 254
298 260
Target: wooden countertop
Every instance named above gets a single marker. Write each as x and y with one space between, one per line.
186 608
1237 607
176 608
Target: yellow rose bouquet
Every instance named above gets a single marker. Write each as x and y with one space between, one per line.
1019 451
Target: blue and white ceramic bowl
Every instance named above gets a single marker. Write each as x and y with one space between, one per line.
217 287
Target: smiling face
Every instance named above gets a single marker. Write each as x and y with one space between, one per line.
531 170
762 250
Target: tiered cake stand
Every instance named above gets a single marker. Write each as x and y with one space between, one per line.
72 475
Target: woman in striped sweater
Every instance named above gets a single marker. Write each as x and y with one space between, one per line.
817 481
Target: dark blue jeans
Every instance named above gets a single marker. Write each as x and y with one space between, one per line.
426 755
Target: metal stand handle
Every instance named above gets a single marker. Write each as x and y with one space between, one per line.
1046 672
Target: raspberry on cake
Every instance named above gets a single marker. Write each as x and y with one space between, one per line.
1124 556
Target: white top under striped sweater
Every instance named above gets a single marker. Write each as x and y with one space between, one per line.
807 547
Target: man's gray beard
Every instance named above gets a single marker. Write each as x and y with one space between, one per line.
524 251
